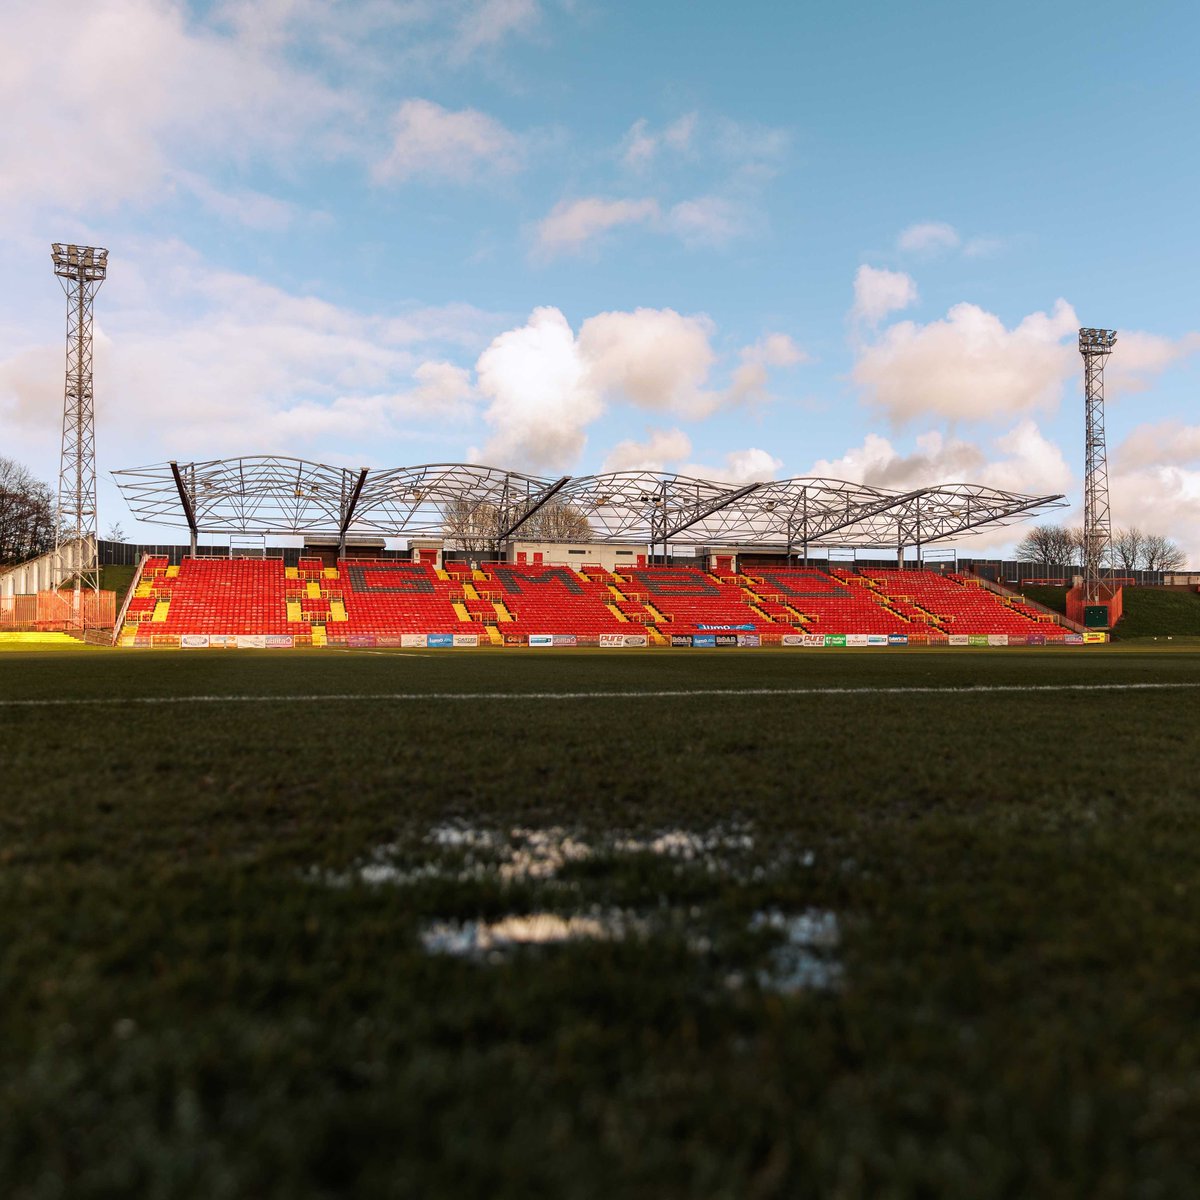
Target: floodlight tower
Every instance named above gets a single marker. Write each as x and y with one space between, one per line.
1095 345
81 271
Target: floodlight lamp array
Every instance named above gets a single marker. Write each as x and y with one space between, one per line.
1097 341
88 264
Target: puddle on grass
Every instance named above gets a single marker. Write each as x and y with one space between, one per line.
464 853
491 939
802 957
803 960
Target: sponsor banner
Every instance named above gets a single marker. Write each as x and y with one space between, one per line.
387 639
280 641
1073 639
715 628
412 641
749 639
997 639
222 641
618 641
959 639
704 641
439 640
977 639
1035 639
565 639
1094 637
725 639
794 639
513 639
835 639
856 639
812 639
194 641
897 639
252 641
541 639
877 639
466 639
365 641
1017 639
681 639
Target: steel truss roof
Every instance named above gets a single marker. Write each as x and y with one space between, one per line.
460 502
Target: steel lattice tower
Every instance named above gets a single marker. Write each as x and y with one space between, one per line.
81 271
1095 345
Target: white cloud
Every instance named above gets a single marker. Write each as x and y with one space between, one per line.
655 358
255 210
571 224
666 450
192 361
124 89
706 220
642 146
1160 499
878 292
429 140
1032 463
1167 443
751 465
968 365
1028 463
755 149
546 386
983 247
487 23
928 236
751 377
1138 357
542 398
662 447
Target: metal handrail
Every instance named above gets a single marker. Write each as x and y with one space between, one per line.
137 579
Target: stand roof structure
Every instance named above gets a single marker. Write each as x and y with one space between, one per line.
466 504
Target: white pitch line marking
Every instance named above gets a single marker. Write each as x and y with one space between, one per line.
680 694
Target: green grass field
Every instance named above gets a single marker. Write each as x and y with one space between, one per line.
261 936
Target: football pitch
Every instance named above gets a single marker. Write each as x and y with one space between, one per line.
880 923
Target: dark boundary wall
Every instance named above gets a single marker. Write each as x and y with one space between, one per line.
1008 572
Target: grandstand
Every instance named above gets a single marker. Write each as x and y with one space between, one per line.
499 558
380 602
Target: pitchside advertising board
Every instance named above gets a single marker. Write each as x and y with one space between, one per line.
622 641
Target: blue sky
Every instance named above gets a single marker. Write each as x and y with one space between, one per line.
744 241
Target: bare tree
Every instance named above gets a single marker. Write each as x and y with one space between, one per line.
1159 553
471 524
558 521
1050 545
26 514
115 533
1129 547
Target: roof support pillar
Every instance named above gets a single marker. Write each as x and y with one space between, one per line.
349 503
542 499
185 499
